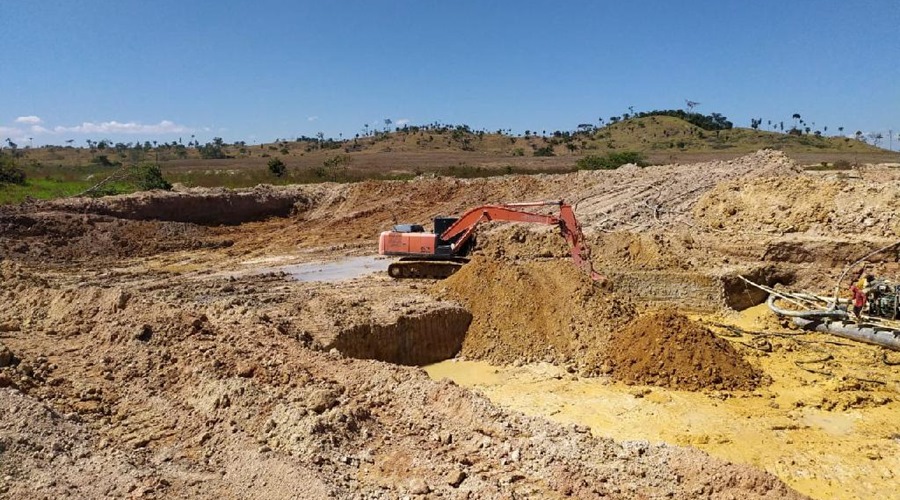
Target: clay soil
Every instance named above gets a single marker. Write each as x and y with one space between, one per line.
153 346
667 349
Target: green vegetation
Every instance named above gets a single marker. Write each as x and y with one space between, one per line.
9 172
277 167
41 181
713 121
214 150
611 161
149 176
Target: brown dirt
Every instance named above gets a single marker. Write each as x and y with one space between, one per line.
667 349
535 311
65 237
814 206
209 389
169 378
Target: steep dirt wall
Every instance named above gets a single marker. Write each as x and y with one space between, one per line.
803 205
199 206
424 338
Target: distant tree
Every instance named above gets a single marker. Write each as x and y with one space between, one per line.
277 167
149 176
9 171
544 151
754 123
876 138
796 117
212 150
841 130
859 136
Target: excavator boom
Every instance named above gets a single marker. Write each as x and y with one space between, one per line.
427 261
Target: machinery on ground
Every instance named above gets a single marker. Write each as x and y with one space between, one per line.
883 299
441 253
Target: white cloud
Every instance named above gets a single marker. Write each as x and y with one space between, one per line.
33 120
312 118
402 121
114 127
37 129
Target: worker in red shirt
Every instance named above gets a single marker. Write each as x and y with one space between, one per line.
859 301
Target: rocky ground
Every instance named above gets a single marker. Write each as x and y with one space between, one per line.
143 353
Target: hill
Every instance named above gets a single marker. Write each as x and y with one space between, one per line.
409 151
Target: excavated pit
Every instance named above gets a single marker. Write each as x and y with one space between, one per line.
420 339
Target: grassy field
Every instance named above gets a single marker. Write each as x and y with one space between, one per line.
55 171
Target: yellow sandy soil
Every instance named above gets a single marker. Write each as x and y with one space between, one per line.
827 434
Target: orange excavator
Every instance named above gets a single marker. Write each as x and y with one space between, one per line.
439 254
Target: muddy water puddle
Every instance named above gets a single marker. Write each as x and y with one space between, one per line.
324 271
338 270
790 428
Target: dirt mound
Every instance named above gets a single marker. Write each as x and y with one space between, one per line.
535 311
667 349
802 205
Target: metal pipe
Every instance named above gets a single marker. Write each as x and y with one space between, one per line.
868 334
833 313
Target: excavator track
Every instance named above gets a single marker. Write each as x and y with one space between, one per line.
425 269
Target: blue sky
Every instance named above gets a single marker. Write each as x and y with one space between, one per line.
255 71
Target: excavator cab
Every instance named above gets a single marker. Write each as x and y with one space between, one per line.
413 240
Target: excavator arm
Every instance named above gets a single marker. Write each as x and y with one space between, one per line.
465 227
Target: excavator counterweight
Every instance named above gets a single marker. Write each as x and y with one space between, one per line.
439 254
